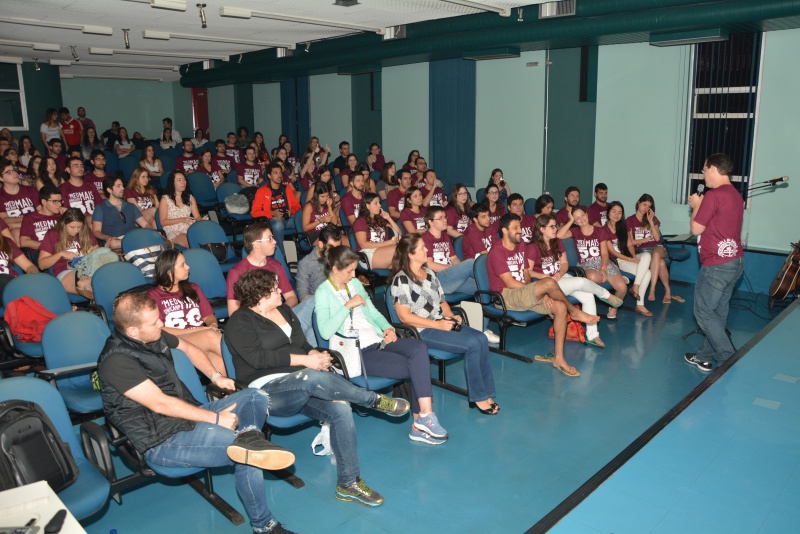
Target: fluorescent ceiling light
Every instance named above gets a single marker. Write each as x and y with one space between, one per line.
175 5
101 51
15 60
61 62
502 11
94 30
689 37
109 77
47 47
126 65
65 76
149 34
226 11
150 53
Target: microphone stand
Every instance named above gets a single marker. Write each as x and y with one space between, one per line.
765 186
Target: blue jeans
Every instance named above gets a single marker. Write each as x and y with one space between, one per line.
475 347
458 278
206 446
304 311
313 393
712 296
279 227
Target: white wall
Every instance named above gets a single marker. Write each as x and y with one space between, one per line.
267 112
405 101
330 110
221 111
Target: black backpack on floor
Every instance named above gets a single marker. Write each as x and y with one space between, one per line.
31 449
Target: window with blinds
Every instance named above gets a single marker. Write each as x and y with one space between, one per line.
724 107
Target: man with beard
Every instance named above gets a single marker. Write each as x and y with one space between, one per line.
572 198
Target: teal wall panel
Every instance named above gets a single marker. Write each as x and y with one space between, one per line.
404 111
295 110
182 114
510 122
367 119
221 111
330 110
138 105
267 112
42 91
243 105
571 129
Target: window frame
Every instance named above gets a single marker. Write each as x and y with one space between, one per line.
25 124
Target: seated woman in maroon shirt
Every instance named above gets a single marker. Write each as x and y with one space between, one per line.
412 217
491 197
591 243
319 212
184 309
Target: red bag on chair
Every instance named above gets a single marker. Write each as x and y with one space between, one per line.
27 319
575 330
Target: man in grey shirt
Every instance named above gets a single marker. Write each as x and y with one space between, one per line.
310 272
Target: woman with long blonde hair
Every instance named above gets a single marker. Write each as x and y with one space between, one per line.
141 194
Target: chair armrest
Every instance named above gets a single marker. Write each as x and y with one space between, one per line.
574 270
6 337
457 310
362 258
405 331
94 442
214 392
494 298
338 362
60 372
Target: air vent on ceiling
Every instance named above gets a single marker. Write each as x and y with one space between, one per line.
564 8
506 52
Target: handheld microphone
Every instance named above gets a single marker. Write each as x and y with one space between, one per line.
777 180
700 189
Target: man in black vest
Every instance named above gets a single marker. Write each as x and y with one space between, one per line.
146 400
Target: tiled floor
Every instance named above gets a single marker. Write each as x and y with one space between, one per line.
729 463
495 474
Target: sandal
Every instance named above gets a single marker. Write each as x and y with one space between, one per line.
634 294
609 317
646 313
487 411
549 357
564 370
666 300
678 298
613 301
596 342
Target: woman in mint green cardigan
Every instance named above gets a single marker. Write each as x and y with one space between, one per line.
343 307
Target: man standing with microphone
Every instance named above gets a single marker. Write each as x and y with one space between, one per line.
717 223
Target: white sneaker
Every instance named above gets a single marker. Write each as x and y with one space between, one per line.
491 336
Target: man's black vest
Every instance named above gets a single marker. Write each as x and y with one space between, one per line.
142 426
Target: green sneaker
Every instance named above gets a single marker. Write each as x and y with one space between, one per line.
359 492
391 406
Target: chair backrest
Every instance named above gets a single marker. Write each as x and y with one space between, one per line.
458 246
188 375
572 255
530 206
45 395
127 165
479 194
227 358
390 306
140 238
87 334
205 271
205 232
481 276
321 341
112 279
225 190
112 162
203 189
46 289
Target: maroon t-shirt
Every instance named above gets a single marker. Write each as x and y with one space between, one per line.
562 216
35 225
721 213
84 197
175 311
417 219
350 205
588 246
7 260
438 198
598 214
225 162
495 215
441 249
95 180
215 173
17 205
49 245
526 227
187 164
475 241
235 154
459 222
374 235
640 232
396 199
500 260
315 216
144 202
544 264
271 264
250 173
72 132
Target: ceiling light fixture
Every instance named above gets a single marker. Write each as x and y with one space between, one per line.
201 7
240 13
308 45
502 11
60 62
519 15
165 36
14 60
150 53
174 5
93 30
107 77
45 47
126 37
126 65
240 59
74 53
36 64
